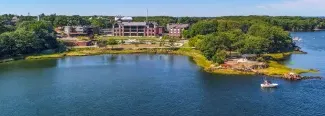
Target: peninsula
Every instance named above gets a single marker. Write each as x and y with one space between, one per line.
223 45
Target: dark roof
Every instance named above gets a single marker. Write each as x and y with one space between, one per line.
170 26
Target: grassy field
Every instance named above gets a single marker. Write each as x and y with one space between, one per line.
276 68
278 56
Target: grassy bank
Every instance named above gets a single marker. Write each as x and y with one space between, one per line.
276 68
278 56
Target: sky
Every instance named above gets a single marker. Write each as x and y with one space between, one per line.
199 8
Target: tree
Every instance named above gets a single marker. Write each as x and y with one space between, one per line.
186 34
29 37
210 44
255 45
226 25
280 40
99 22
60 21
187 20
195 41
112 42
50 18
102 43
203 28
3 28
172 41
220 56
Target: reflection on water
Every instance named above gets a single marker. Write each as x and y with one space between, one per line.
268 90
27 65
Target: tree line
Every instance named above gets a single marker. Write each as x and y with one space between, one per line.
99 21
288 23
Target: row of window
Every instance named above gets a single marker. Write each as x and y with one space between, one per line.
175 31
134 34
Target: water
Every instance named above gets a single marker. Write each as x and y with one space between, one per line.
313 43
146 85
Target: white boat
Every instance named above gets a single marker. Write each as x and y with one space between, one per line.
272 85
268 84
296 39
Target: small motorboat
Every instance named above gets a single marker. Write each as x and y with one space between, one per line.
268 84
272 85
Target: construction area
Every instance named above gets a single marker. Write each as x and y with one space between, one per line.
242 64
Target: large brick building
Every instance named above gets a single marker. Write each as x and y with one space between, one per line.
175 30
129 28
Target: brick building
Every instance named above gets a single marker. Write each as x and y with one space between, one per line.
175 30
125 27
137 29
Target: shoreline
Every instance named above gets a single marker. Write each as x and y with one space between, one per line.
275 68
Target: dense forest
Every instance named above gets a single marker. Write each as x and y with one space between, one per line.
286 22
214 36
26 38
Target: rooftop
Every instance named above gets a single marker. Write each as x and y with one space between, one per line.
123 18
137 23
134 23
177 26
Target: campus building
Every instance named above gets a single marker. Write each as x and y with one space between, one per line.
175 30
125 27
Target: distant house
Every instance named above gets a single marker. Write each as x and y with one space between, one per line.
175 30
11 21
14 19
73 31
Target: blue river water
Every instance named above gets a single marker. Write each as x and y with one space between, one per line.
162 85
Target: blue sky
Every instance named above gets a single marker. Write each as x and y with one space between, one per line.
165 7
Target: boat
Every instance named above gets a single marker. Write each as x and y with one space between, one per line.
268 84
296 39
272 85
